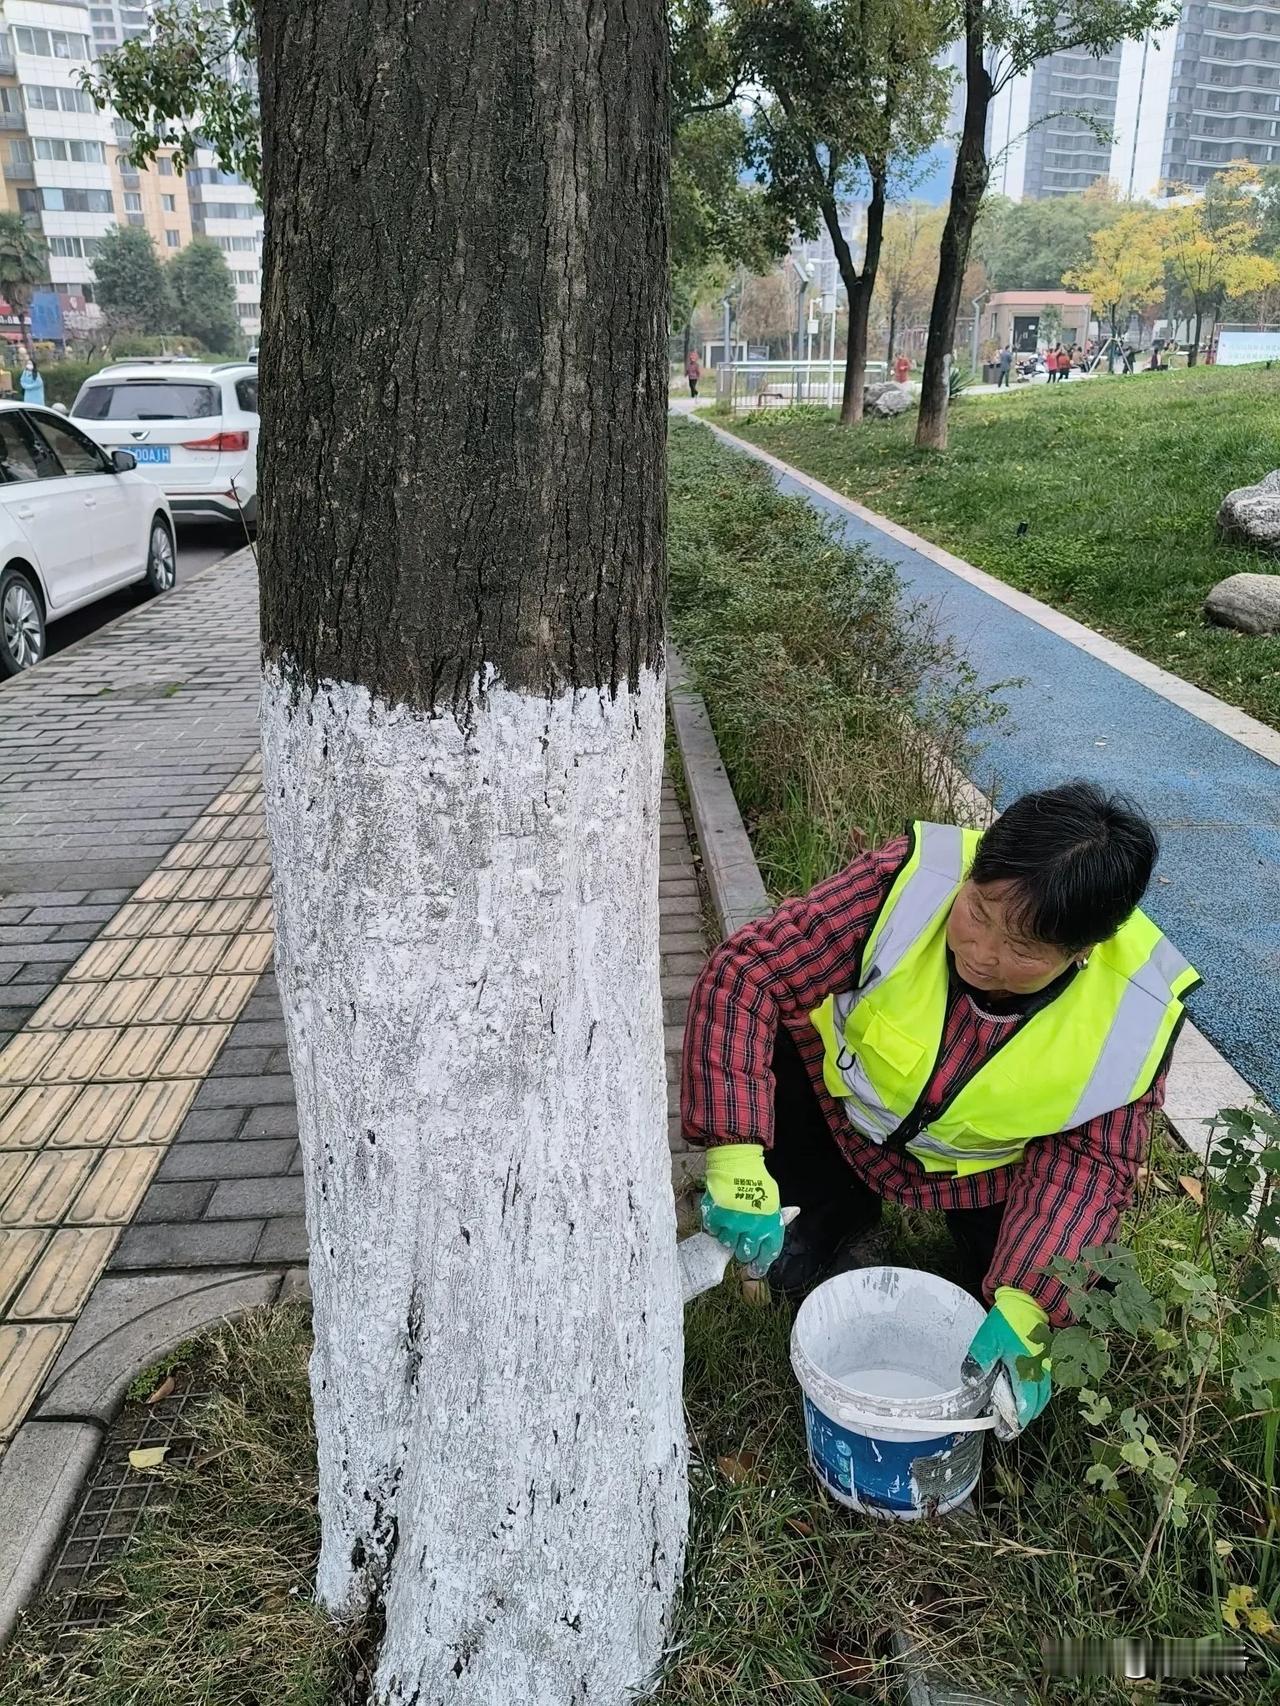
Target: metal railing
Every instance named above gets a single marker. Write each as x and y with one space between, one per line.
778 384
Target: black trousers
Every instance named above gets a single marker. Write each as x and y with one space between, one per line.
812 1173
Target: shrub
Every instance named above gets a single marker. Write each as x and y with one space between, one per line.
840 712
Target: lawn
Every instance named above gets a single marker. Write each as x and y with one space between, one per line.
1117 481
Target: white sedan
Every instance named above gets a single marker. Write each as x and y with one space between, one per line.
76 523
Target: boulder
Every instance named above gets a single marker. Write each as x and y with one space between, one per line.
890 400
1248 602
1251 514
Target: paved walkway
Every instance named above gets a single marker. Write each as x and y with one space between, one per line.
148 1134
1216 802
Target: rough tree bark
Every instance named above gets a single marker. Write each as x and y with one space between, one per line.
968 186
462 547
859 287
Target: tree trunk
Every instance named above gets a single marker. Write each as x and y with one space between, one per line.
1195 342
968 186
462 591
893 329
859 287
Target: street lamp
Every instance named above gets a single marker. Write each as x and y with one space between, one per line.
804 272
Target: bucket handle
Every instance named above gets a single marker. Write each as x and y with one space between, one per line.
928 1427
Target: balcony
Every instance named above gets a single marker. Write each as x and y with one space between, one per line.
23 171
13 121
7 66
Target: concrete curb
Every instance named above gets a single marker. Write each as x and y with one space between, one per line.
42 1474
737 889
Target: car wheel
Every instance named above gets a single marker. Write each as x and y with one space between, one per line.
162 563
22 636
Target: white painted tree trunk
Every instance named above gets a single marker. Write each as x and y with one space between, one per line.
468 957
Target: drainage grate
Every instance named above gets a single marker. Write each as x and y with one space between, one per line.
115 1500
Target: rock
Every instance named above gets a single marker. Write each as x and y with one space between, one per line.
1248 602
1251 514
871 392
890 400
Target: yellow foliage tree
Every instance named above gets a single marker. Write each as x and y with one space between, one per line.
1125 272
1209 245
908 262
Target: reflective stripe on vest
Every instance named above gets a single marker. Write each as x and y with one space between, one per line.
1095 1047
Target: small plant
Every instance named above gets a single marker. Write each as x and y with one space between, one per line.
1196 1341
958 379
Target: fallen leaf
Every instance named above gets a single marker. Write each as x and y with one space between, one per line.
853 1670
1165 880
1193 1188
165 1389
1147 1177
738 1467
150 1457
798 1525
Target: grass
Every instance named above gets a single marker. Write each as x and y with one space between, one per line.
1118 482
788 1598
840 712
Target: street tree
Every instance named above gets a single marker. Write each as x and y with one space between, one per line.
851 93
767 309
463 721
1002 40
131 285
908 260
204 296
1125 272
24 264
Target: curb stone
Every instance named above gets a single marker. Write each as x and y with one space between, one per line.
42 1474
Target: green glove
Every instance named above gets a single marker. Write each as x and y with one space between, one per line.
1010 1332
740 1206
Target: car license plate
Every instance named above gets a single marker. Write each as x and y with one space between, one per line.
149 452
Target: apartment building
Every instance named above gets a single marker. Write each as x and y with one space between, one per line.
225 209
114 24
1181 103
56 148
153 198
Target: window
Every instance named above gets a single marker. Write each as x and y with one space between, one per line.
164 165
63 148
247 395
248 310
229 210
245 277
20 152
75 453
172 239
50 100
77 201
29 201
74 248
10 100
17 461
132 201
147 400
51 44
137 219
169 203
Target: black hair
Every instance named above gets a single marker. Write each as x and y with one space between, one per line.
1080 860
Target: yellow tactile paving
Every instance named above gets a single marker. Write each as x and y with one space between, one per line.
26 1355
94 1089
48 1188
13 1164
32 1119
91 1120
156 1111
60 1282
22 1059
115 1187
18 1252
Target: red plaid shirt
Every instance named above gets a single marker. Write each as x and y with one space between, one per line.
1066 1193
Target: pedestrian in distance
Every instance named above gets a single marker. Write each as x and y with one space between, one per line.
692 371
31 382
973 1021
901 368
1004 361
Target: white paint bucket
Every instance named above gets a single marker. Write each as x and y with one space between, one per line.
879 1347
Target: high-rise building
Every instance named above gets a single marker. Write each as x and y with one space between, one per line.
225 209
1182 103
115 22
56 148
153 198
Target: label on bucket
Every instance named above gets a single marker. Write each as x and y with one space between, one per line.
878 1473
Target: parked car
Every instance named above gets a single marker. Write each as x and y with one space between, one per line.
76 523
193 427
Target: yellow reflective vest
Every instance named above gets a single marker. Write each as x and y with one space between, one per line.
1096 1046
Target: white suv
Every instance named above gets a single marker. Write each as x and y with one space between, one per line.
192 426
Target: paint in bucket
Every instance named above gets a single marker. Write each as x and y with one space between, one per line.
882 1345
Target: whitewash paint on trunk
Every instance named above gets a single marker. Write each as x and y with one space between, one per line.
468 958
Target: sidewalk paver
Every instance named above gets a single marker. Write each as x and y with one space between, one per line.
148 1131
